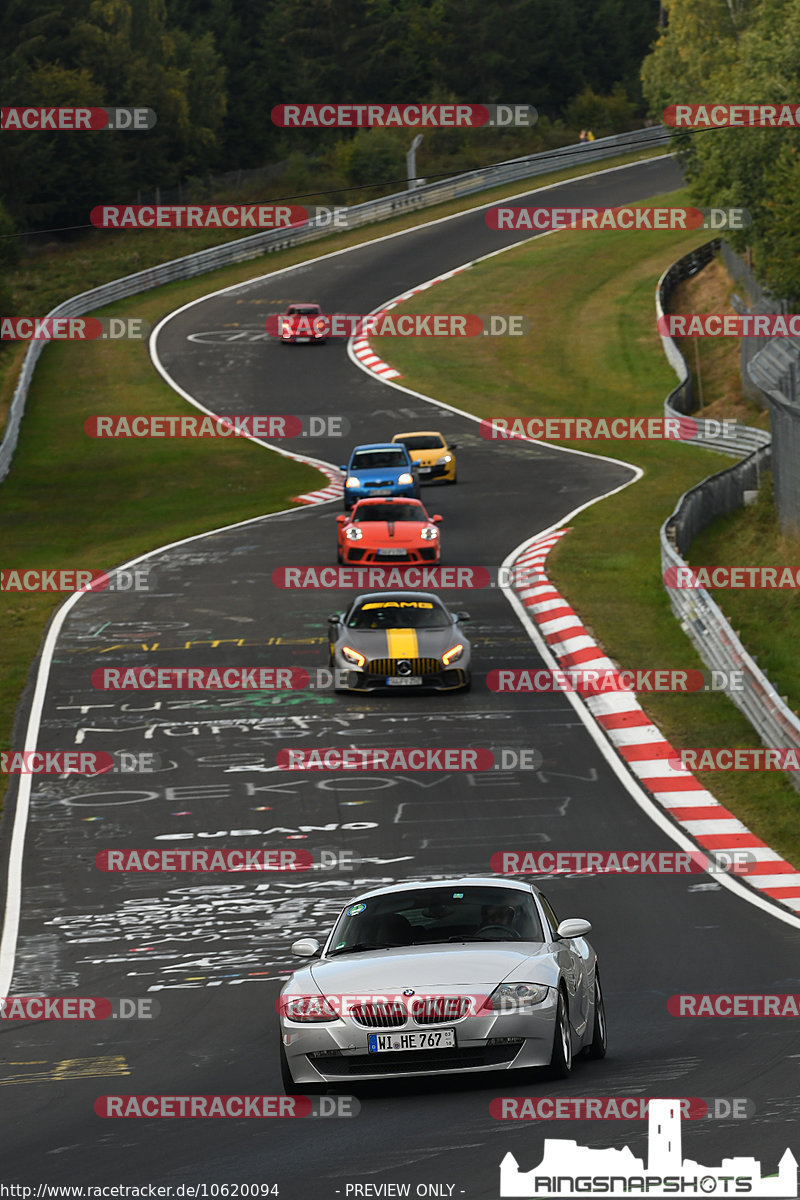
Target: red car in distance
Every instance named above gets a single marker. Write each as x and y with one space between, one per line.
386 529
302 322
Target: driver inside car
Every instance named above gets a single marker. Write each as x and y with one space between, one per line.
498 915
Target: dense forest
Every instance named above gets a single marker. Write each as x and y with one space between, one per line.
213 69
738 52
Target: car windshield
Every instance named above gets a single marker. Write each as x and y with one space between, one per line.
303 310
369 460
423 441
431 915
399 614
389 512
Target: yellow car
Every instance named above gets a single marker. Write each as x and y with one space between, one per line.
432 453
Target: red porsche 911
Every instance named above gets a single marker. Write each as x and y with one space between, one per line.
388 530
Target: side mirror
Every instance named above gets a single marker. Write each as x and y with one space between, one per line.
575 927
342 466
436 518
452 446
335 619
306 947
463 616
342 517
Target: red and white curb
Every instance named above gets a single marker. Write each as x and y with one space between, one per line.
333 491
361 347
641 744
369 359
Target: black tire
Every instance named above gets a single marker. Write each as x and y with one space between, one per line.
599 1043
561 1058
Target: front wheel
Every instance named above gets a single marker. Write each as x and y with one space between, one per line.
561 1059
599 1043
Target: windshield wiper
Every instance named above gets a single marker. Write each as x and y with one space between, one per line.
359 947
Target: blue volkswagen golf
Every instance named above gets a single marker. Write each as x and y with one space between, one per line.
379 469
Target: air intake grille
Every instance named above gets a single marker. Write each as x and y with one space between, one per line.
419 666
380 1015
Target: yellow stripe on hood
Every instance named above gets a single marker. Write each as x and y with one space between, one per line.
402 643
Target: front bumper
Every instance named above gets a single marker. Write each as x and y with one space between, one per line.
338 1051
427 552
437 472
446 679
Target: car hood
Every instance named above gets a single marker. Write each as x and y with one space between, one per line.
428 457
460 965
390 531
428 643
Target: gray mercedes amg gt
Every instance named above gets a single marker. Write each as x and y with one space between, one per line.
398 639
462 975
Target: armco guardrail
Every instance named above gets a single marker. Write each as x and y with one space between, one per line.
744 439
701 618
279 239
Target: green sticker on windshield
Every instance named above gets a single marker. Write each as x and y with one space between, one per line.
355 909
458 895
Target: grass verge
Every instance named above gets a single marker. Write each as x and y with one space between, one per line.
595 352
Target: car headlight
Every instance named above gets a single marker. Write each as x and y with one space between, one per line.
352 656
429 534
453 654
444 460
518 997
406 477
351 481
354 534
307 1008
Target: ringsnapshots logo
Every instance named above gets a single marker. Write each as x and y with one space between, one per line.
545 220
75 120
569 1170
404 116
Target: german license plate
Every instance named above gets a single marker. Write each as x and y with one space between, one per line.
380 491
438 1039
392 553
425 470
403 680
